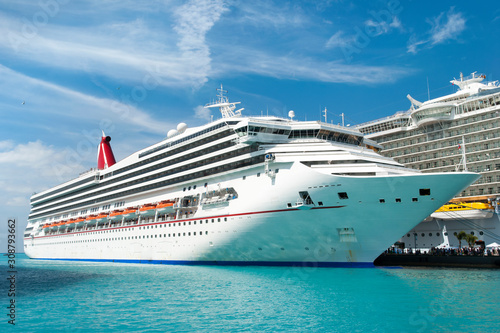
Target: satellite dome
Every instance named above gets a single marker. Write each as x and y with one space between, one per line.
291 114
172 133
181 127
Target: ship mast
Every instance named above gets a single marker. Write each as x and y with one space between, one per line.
226 108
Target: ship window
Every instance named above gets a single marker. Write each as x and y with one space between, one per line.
425 191
381 200
258 174
472 232
430 234
422 234
398 199
437 234
218 220
213 221
481 233
206 184
225 219
206 232
407 235
244 177
289 204
184 189
343 195
414 199
320 203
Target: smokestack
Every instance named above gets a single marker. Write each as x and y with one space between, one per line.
105 157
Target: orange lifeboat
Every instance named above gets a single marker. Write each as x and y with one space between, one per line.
70 224
48 225
147 210
102 218
91 219
116 215
79 221
164 207
61 225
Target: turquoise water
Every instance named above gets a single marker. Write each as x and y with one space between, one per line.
103 297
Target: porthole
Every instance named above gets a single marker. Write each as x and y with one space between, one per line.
430 234
481 233
472 232
422 234
407 235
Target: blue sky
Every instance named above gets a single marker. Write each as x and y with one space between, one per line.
70 69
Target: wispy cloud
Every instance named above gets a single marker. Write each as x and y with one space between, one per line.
179 56
450 29
65 103
266 14
292 67
193 21
29 167
339 39
442 30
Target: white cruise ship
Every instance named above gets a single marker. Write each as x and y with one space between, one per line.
239 191
458 131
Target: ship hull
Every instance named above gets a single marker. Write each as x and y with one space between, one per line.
351 221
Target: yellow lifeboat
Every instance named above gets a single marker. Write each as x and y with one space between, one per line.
465 210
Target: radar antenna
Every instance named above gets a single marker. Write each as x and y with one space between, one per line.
226 108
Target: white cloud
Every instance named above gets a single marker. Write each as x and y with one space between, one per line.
202 113
34 166
266 14
193 21
48 99
442 30
303 68
454 25
124 51
339 39
378 28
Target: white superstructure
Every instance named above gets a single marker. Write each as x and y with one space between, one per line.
459 131
240 190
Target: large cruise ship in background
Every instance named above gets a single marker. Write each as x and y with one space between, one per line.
460 131
239 190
